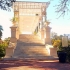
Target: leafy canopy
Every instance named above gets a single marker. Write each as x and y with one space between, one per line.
6 4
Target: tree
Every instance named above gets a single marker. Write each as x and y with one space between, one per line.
0 34
6 4
1 31
7 40
62 7
1 28
2 49
57 41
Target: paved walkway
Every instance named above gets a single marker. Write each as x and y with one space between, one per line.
33 65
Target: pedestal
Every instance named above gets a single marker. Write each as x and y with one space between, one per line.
14 34
53 52
9 52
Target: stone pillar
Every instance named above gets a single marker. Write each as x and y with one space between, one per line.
42 34
13 34
13 41
47 38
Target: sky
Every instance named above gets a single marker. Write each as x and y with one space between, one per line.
59 26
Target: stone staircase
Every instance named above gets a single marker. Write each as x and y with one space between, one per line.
30 46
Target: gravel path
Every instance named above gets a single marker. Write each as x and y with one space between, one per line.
33 65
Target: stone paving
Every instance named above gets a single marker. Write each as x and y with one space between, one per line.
33 65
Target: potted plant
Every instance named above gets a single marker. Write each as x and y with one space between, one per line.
67 50
68 57
53 50
14 20
62 55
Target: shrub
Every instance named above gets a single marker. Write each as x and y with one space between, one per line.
67 50
56 43
2 51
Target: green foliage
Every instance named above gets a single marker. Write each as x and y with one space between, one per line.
67 50
4 44
1 28
0 34
6 4
2 49
35 32
14 19
7 40
56 43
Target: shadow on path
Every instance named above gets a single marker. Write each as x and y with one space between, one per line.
42 64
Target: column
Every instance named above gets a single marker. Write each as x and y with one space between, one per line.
43 34
47 31
13 34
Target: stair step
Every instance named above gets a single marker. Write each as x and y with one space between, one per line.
30 46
